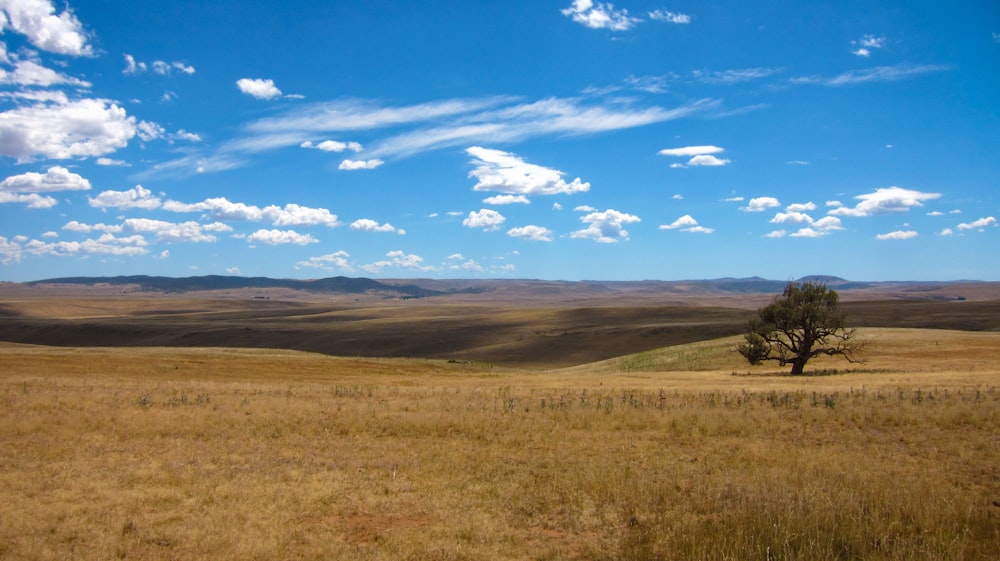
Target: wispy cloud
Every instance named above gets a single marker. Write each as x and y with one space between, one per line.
874 74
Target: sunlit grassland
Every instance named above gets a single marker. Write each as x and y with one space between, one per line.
679 453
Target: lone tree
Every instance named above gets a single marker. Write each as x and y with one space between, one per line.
802 323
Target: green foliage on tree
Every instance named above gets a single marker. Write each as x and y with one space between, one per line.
802 323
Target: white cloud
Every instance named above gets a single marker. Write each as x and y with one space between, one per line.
669 17
504 172
605 227
65 129
173 232
897 235
828 223
33 200
136 197
280 237
875 74
885 200
808 233
330 261
163 68
531 232
258 87
801 207
295 215
507 200
369 225
107 244
685 151
37 20
218 208
333 146
351 165
110 162
600 15
74 226
980 224
57 178
867 43
487 219
760 204
700 155
707 160
398 259
10 251
687 223
793 217
30 73
777 234
585 208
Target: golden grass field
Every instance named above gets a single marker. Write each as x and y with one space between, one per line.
681 452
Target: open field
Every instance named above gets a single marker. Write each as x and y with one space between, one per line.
517 324
672 453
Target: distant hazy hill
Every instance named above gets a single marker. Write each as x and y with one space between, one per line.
216 282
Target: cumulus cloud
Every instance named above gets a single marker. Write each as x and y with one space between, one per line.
32 200
504 172
885 200
600 15
218 208
136 197
487 219
57 178
280 237
369 225
163 68
811 228
699 156
897 235
351 165
332 146
397 259
338 260
259 88
30 73
107 244
866 44
62 129
760 204
295 215
605 227
687 223
59 33
980 224
174 232
507 200
10 251
531 232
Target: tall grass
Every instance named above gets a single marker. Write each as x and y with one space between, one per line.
376 462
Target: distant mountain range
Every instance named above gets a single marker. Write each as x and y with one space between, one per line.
345 285
423 288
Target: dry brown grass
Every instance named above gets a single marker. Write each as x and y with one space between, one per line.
261 454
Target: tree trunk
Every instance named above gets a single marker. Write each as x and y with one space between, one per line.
798 366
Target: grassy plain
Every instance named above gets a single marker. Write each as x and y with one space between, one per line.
680 452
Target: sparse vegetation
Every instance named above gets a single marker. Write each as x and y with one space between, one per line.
262 454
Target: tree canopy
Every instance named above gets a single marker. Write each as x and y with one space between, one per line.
805 321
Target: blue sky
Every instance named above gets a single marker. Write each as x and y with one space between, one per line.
455 139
